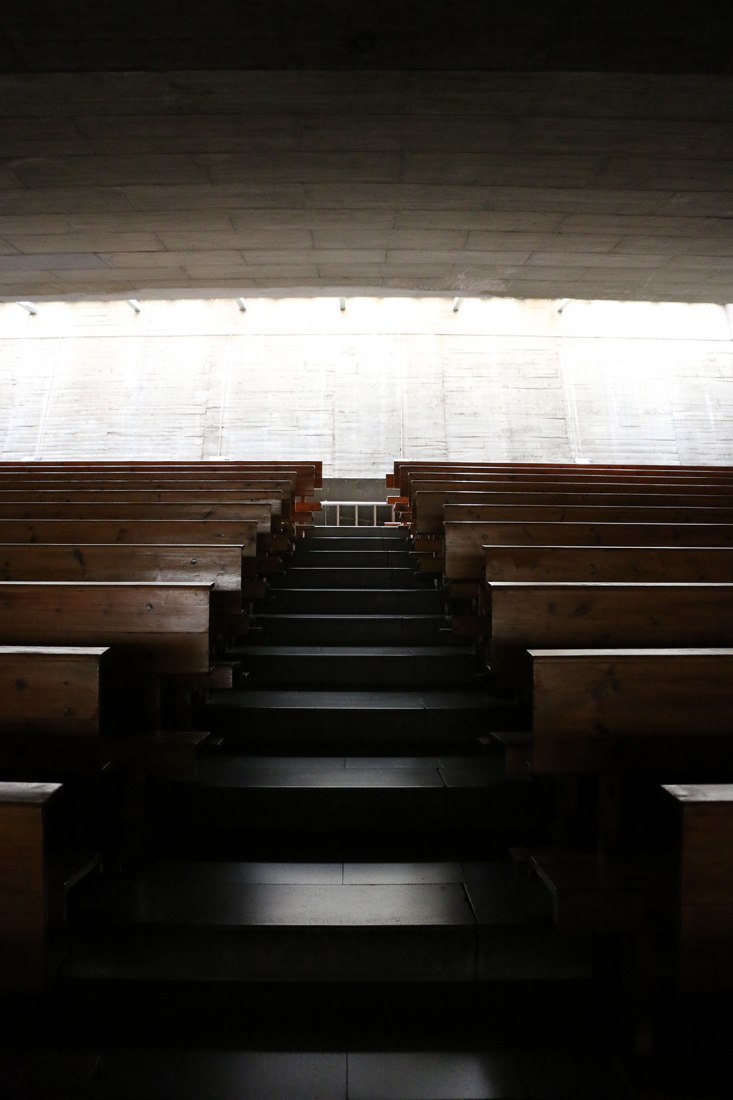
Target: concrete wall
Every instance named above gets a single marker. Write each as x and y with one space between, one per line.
499 380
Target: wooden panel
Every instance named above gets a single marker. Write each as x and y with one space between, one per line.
166 624
50 690
465 543
262 512
614 710
23 962
429 516
609 563
706 885
220 566
558 513
163 532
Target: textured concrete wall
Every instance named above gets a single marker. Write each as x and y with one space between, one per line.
500 380
518 184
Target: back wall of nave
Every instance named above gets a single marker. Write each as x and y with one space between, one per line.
499 379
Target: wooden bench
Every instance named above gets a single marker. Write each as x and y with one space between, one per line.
309 475
705 885
216 565
56 720
428 506
591 615
158 630
609 563
23 892
466 543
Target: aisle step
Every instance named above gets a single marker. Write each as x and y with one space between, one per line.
327 794
354 601
332 558
252 922
357 717
341 630
330 531
359 666
363 577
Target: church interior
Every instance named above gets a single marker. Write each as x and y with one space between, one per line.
366 533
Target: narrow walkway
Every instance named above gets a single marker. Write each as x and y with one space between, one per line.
332 911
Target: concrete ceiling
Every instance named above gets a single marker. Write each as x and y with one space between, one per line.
555 149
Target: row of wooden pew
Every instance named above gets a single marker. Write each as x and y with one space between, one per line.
602 598
120 584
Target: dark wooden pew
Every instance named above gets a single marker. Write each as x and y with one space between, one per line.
219 566
428 510
403 471
594 615
160 634
466 543
609 563
309 475
23 886
704 885
261 512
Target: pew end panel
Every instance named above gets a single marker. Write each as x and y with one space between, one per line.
705 885
23 884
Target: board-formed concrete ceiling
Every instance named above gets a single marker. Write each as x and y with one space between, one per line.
556 149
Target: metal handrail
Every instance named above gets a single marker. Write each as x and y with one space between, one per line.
356 505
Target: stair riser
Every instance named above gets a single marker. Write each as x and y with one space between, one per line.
296 577
214 811
329 671
323 531
353 601
354 559
291 954
354 543
292 630
350 727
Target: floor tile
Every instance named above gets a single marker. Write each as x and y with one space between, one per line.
427 763
199 874
364 873
221 904
434 1075
255 1075
505 898
240 772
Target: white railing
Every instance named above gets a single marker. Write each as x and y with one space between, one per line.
356 505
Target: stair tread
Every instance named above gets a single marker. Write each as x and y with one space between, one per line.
358 651
338 700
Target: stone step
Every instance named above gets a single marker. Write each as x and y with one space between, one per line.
356 717
354 601
253 795
295 666
323 531
332 558
257 922
352 543
309 577
344 630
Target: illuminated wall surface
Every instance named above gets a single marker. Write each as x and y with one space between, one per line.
500 379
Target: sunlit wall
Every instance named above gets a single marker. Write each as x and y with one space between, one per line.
495 379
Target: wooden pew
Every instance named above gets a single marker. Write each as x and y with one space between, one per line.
631 710
219 566
403 470
309 475
56 718
593 615
466 543
609 563
705 885
428 504
157 630
265 513
23 888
